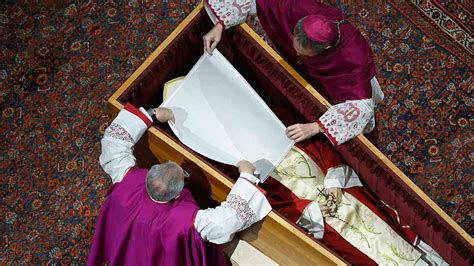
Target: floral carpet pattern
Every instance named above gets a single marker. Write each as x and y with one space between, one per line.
61 61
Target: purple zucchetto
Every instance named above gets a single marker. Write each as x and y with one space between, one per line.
319 29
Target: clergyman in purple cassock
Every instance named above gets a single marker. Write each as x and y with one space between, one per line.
134 229
344 72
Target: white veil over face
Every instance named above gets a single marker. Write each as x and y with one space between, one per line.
219 115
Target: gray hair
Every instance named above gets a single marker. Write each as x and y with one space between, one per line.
304 41
163 182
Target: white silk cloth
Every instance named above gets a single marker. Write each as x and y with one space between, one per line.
219 115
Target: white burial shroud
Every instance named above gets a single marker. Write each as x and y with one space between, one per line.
220 116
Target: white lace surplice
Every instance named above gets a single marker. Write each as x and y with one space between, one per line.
244 206
118 141
230 12
341 122
344 121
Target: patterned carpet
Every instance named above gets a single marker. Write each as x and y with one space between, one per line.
60 62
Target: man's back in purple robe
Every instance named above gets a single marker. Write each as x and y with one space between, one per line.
345 71
134 230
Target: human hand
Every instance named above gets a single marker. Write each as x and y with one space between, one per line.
164 115
334 194
300 132
212 38
246 167
329 206
326 211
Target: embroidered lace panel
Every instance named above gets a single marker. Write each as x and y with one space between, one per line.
118 132
241 206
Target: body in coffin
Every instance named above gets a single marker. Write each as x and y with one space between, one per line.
362 229
288 95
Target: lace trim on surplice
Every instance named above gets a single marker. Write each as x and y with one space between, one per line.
241 206
118 132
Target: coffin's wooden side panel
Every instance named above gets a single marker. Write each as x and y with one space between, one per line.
286 244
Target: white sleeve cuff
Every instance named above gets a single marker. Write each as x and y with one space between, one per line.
346 120
211 15
250 177
145 113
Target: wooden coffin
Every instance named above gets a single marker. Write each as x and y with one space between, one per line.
285 91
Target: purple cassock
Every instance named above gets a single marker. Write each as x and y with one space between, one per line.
344 73
134 230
